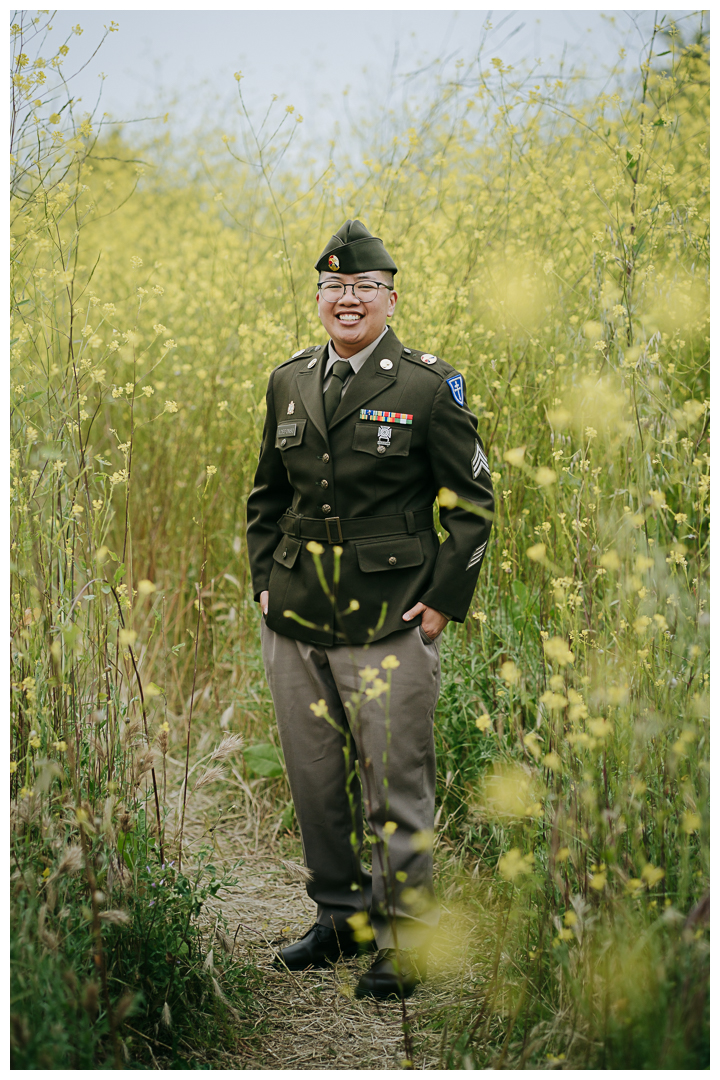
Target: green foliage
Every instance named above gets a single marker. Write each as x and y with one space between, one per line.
263 759
555 248
55 1013
160 962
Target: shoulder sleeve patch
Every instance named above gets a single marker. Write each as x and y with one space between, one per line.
455 382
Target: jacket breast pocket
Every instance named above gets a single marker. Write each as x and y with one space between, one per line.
382 440
287 551
289 434
391 554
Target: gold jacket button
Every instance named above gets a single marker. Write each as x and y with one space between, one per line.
326 508
326 458
392 560
381 448
323 483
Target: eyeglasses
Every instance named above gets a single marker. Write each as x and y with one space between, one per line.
365 290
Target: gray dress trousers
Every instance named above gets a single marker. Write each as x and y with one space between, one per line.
376 756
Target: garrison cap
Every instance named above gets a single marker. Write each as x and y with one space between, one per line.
353 249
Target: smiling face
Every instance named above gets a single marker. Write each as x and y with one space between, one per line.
352 324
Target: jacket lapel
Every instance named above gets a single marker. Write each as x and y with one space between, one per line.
371 379
310 387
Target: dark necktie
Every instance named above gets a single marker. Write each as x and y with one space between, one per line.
340 371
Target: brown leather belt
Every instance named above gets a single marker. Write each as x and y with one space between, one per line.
336 530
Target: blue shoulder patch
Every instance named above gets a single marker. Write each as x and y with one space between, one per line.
456 386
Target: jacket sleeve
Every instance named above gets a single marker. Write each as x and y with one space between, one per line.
267 502
459 463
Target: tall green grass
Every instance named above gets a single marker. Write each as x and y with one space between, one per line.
555 249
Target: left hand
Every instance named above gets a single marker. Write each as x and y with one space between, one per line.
433 622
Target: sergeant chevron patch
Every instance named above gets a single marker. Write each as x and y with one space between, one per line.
476 556
479 462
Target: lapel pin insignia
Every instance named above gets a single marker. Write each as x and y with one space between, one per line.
428 358
386 365
298 353
291 408
312 363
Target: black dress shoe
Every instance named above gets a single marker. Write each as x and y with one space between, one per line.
321 946
393 974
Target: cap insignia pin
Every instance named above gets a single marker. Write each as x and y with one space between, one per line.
291 408
386 365
334 262
428 358
312 363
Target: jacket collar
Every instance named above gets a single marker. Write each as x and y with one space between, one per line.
310 380
370 381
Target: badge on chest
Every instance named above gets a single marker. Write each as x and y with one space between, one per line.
385 430
386 417
384 437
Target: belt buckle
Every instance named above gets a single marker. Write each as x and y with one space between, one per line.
336 520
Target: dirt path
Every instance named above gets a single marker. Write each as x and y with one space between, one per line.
311 1020
314 1020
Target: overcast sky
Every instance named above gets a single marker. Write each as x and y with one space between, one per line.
183 61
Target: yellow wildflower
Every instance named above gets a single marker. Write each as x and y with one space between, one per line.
557 649
544 477
510 673
514 863
652 874
515 456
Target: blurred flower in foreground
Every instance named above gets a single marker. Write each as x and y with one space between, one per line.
514 863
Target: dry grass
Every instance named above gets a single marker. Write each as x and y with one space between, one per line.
310 1020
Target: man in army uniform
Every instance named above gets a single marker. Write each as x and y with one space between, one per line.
360 435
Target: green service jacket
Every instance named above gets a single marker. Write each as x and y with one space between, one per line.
311 482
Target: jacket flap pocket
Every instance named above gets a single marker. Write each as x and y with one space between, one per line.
382 440
289 433
390 554
287 551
